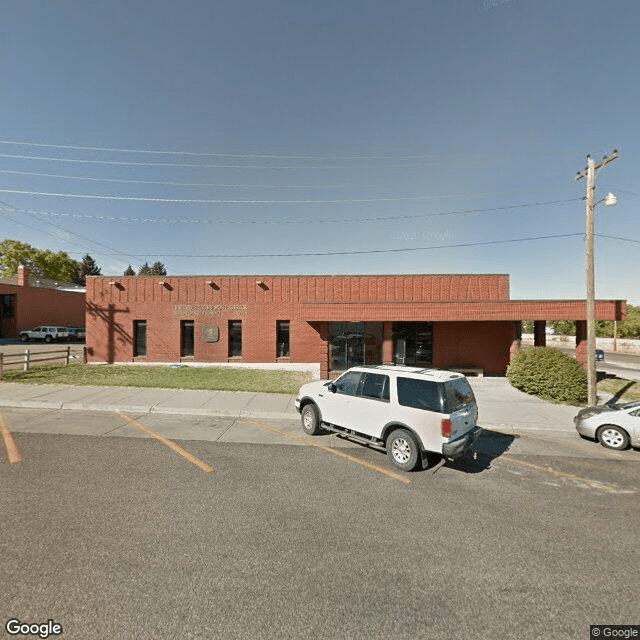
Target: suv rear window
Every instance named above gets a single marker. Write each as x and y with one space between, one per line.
457 394
419 394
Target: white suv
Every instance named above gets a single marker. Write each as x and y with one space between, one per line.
408 411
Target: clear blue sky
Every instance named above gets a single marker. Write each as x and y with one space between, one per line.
403 137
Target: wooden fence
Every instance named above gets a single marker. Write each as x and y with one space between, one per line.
27 358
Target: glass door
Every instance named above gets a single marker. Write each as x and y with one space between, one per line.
413 343
354 343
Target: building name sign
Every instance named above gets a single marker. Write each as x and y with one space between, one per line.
210 309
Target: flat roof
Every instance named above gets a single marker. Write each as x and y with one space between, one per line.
318 275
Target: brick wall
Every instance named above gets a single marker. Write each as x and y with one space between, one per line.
49 306
473 317
481 344
39 306
462 311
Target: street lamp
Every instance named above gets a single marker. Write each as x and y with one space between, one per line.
609 201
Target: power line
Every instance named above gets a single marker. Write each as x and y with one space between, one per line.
266 156
349 253
601 235
247 185
204 184
139 219
219 201
8 207
213 166
207 154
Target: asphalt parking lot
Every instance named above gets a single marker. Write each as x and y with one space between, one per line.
123 537
153 523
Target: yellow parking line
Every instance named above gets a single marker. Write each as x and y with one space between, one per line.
168 443
13 453
578 445
336 452
593 484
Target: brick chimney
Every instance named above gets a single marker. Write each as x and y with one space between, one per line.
23 276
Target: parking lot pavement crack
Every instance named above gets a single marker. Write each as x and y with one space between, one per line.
233 423
124 424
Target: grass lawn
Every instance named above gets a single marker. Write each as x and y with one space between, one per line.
630 389
210 378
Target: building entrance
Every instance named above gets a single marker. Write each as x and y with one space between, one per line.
413 343
354 343
8 316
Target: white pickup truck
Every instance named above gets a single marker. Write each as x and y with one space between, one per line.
48 334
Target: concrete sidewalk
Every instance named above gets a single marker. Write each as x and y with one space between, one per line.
235 404
501 407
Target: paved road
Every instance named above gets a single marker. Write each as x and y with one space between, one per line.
123 537
619 371
621 365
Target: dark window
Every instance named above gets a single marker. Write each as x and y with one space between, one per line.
457 394
347 384
419 394
282 338
186 337
375 385
413 343
8 306
139 337
235 338
352 344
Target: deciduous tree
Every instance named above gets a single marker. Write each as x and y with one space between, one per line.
41 263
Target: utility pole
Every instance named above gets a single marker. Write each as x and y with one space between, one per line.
590 173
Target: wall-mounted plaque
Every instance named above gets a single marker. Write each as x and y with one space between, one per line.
210 333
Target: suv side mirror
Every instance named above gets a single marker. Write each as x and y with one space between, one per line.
331 387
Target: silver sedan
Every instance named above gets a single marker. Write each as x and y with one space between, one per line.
614 426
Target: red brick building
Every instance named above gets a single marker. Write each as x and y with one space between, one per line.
27 301
444 321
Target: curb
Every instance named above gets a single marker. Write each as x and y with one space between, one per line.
78 406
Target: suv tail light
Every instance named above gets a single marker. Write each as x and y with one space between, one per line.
445 427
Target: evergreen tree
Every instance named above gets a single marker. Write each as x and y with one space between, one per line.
86 267
145 270
158 269
129 271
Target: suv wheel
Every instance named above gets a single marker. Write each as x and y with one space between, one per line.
24 337
403 449
310 420
48 338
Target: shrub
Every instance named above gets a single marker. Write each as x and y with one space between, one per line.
549 374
